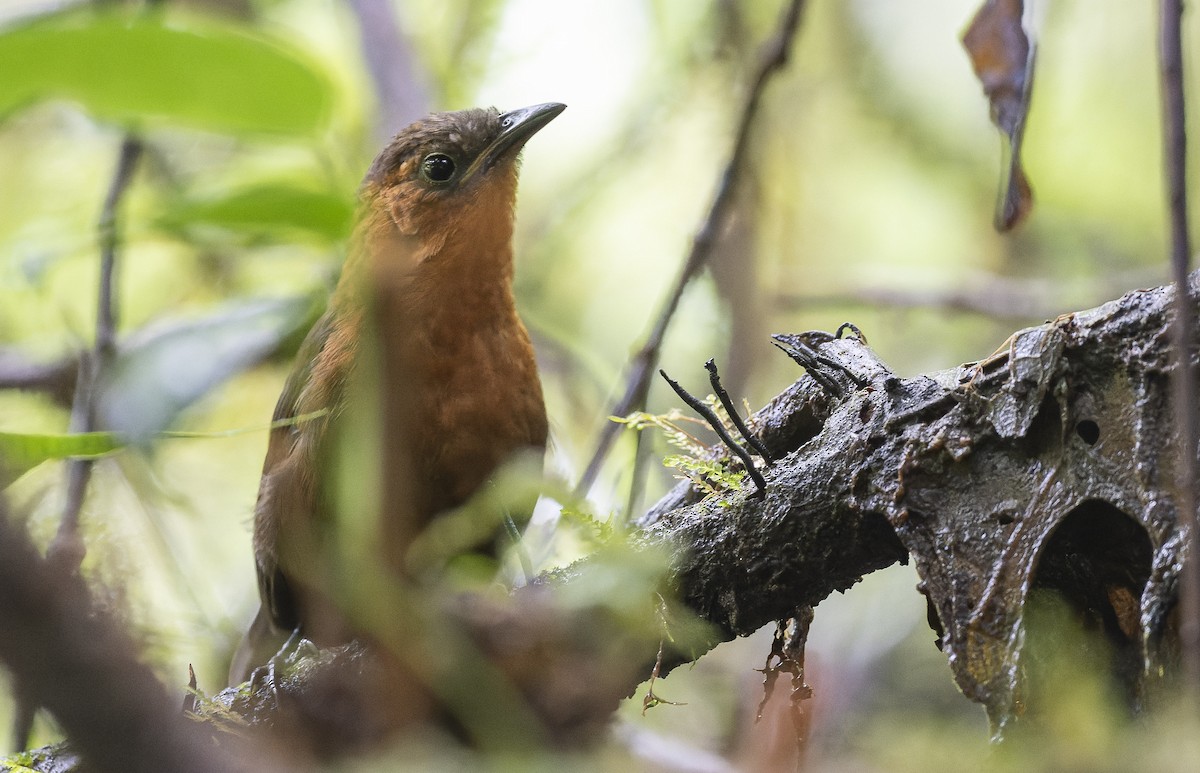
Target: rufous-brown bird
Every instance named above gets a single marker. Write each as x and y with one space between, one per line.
430 265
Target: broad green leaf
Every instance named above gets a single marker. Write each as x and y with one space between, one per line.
265 211
130 70
159 373
21 452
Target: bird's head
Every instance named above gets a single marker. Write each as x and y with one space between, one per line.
451 169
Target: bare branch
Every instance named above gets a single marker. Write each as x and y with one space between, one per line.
714 379
67 545
67 549
697 405
56 379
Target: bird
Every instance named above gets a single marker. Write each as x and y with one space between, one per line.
428 272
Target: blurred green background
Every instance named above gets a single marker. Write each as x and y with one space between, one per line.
869 199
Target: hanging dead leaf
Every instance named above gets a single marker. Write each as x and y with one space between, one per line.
1002 55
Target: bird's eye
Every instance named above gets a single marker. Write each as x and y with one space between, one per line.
506 123
437 167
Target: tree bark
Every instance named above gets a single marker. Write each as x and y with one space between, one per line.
1049 464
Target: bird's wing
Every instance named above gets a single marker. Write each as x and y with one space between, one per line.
283 488
288 406
287 491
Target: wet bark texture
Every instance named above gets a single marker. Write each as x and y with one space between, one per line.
1048 465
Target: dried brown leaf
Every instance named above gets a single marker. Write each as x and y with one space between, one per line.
1003 57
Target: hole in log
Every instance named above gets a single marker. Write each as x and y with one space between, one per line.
1046 431
1083 610
801 426
1088 431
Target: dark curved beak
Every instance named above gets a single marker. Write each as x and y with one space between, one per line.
516 127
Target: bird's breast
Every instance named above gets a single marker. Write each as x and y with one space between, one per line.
476 399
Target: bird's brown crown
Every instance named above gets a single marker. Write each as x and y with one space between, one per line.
445 166
461 136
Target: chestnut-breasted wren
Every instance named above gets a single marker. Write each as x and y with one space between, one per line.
430 267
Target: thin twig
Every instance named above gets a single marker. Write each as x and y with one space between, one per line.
714 378
987 295
67 550
699 407
1175 159
106 312
773 58
66 543
800 357
853 328
806 356
650 700
637 476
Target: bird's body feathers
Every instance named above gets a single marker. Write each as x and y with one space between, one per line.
429 272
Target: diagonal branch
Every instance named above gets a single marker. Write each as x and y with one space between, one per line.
66 544
772 60
67 549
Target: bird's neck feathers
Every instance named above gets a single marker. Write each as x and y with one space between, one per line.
461 260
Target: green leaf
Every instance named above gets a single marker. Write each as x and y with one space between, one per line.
194 73
265 211
159 373
21 452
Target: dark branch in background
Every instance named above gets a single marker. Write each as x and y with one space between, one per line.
55 379
773 58
79 664
401 95
1002 298
1175 160
106 312
66 545
67 549
1005 300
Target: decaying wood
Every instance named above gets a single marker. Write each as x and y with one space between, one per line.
1049 464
